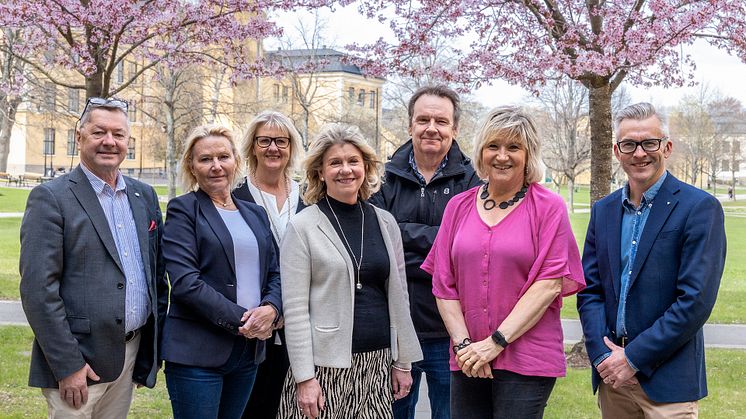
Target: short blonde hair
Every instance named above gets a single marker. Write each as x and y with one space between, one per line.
272 119
188 180
339 134
513 123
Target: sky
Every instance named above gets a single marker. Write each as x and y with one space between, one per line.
721 72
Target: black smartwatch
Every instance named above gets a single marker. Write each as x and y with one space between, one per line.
499 339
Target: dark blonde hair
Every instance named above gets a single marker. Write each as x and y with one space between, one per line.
339 134
272 119
513 123
188 180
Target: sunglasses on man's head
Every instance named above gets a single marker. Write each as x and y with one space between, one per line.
99 102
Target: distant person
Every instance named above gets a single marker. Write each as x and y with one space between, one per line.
653 258
422 176
92 278
225 283
504 257
60 171
272 147
730 192
349 333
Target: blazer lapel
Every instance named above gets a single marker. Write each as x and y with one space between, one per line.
84 193
328 230
142 223
663 203
218 227
613 225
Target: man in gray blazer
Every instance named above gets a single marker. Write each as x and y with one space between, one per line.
92 278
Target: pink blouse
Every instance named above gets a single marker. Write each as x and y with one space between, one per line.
488 269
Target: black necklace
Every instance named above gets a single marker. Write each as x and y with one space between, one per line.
490 203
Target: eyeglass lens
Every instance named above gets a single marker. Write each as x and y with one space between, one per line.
280 142
649 145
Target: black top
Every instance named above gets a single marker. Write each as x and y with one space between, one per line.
371 326
419 211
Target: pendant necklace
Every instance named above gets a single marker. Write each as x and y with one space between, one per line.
222 204
264 203
490 203
358 262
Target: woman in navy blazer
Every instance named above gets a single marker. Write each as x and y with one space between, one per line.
225 283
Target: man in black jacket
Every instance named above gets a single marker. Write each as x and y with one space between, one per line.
421 177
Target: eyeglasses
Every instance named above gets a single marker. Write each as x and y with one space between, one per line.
280 142
99 102
648 145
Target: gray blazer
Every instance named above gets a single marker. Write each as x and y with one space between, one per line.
73 284
318 290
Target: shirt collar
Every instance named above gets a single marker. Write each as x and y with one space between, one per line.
99 185
647 196
413 164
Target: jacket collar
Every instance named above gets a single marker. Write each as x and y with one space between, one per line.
399 163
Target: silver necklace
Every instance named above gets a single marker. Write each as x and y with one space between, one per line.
358 263
264 203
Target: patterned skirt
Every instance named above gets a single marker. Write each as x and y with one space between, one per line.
362 391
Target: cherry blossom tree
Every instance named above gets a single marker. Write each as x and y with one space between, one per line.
527 42
94 37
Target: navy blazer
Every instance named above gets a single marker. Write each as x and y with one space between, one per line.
673 287
203 317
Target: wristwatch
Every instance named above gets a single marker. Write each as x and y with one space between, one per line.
499 339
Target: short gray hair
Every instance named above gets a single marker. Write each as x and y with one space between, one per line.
638 112
86 116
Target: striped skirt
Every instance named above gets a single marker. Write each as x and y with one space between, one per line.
362 391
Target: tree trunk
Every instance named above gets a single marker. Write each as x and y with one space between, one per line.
601 140
571 194
7 120
171 162
94 84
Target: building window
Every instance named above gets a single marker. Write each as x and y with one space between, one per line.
285 94
351 94
50 96
131 149
372 100
132 111
120 72
736 147
48 141
361 98
73 100
276 92
72 148
725 165
133 69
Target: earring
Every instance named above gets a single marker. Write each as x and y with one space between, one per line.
322 179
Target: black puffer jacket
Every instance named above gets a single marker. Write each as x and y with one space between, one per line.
419 211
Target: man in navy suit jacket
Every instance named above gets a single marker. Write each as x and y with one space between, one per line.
653 258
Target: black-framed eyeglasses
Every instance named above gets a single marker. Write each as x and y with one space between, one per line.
648 145
99 102
280 142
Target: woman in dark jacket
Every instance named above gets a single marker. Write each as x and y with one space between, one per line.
225 283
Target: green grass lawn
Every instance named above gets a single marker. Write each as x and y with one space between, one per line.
571 398
10 249
13 199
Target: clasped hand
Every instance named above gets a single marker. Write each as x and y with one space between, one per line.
474 360
257 322
615 370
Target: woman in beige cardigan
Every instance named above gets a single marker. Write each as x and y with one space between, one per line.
349 334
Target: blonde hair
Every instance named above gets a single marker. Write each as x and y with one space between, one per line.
339 134
188 180
513 123
272 119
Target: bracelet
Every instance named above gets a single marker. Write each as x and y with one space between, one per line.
459 346
401 368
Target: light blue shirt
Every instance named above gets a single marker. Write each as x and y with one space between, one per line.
118 214
246 257
633 223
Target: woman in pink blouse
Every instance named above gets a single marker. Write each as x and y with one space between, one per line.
502 261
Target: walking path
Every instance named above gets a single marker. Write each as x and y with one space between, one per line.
716 335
